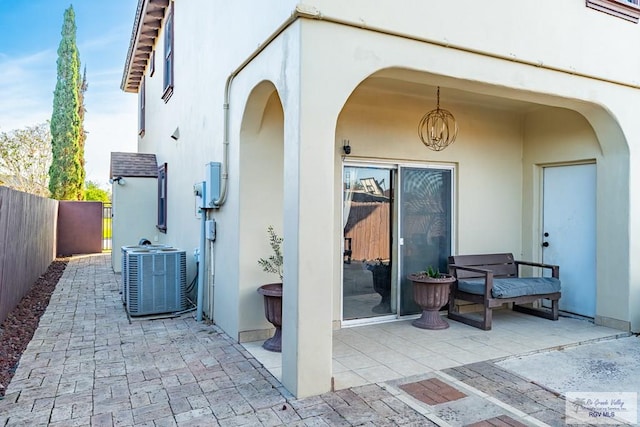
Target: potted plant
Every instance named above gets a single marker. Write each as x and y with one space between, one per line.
272 292
431 292
381 283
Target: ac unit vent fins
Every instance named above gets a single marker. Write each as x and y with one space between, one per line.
154 280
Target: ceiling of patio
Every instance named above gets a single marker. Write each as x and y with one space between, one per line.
452 91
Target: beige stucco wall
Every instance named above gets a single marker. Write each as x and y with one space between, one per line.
556 136
261 203
382 127
208 46
315 66
497 159
553 136
134 215
567 92
195 105
564 34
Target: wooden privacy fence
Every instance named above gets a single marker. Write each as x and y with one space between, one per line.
27 243
79 228
368 229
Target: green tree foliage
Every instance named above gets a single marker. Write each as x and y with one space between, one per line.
66 174
25 156
275 263
93 192
81 110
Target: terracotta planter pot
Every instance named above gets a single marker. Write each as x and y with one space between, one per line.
431 294
273 312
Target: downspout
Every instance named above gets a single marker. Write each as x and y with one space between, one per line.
300 12
201 258
309 12
224 169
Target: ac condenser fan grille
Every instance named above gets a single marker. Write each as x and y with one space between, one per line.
156 281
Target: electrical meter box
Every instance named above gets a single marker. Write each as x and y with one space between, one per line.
212 184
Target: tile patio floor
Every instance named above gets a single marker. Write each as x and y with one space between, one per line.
389 351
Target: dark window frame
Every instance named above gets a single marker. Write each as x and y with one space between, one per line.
168 59
627 10
142 99
152 63
162 198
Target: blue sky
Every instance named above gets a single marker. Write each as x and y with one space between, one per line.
28 53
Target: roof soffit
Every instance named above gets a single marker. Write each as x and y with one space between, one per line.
148 20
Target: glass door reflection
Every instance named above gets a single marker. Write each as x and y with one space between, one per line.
425 226
368 289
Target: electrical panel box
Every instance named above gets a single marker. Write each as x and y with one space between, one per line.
212 183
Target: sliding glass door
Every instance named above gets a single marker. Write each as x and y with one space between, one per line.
425 226
374 282
367 286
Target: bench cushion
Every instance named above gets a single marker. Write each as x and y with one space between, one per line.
511 287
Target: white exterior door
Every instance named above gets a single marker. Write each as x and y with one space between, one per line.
569 233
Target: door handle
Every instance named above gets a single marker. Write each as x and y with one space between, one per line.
545 244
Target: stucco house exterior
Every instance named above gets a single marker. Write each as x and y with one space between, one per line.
134 179
312 111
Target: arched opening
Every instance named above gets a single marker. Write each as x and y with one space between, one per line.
507 140
261 189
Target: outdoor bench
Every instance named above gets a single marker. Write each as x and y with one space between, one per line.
493 280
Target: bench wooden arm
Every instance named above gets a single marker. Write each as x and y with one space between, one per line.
555 269
488 277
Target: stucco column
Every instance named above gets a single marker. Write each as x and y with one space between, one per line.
308 248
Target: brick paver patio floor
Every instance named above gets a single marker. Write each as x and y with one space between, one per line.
88 364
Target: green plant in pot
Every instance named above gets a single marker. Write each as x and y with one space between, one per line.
272 292
431 292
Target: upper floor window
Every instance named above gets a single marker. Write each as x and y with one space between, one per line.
152 63
141 107
168 56
162 198
625 9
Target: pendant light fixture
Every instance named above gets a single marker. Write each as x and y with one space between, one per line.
438 128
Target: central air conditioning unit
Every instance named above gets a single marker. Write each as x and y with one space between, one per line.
156 281
124 273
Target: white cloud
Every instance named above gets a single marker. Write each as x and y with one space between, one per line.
27 89
28 78
27 84
107 133
98 43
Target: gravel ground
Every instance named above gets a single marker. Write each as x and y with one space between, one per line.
18 328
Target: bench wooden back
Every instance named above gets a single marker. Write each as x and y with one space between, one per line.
502 265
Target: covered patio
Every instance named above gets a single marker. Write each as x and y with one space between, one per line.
521 149
389 351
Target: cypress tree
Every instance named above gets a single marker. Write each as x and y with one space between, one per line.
66 174
81 110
